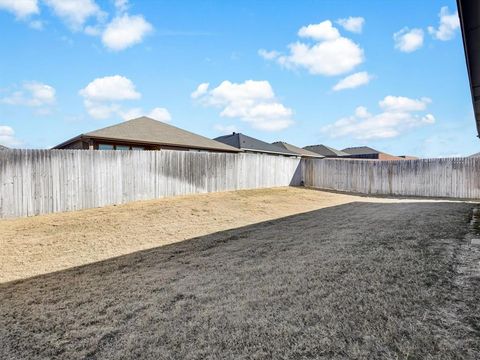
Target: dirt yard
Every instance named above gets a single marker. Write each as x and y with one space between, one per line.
359 280
43 244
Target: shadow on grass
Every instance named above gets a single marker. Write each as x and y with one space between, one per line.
360 280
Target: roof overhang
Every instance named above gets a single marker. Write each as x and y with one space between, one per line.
469 13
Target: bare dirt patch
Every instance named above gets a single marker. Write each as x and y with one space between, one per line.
42 244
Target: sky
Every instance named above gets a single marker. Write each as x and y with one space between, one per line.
386 74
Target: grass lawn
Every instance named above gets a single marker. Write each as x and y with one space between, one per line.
353 281
44 244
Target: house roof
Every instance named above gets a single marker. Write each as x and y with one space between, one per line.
244 142
297 150
3 147
148 131
475 155
325 150
361 150
469 13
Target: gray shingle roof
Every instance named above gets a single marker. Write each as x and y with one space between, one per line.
326 150
297 150
244 142
475 155
3 147
361 150
147 130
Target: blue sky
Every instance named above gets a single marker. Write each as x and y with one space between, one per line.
390 75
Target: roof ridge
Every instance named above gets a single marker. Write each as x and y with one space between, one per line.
250 143
146 118
148 130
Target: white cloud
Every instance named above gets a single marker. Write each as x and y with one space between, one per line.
251 101
103 99
41 94
228 92
75 12
449 23
353 81
21 8
353 24
7 136
225 129
398 117
34 94
122 32
110 88
101 96
125 31
330 55
321 31
160 114
404 104
326 58
121 5
407 40
201 89
362 112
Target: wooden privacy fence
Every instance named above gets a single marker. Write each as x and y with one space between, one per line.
43 181
448 177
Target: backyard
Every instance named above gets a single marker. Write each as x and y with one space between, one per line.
280 273
42 244
240 180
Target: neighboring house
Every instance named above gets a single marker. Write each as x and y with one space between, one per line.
249 144
304 153
326 151
475 155
3 148
365 152
144 134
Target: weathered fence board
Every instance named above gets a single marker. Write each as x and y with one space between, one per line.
448 177
43 181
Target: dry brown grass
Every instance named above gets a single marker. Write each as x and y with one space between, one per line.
354 281
42 244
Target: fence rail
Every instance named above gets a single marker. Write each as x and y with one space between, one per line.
448 177
36 182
